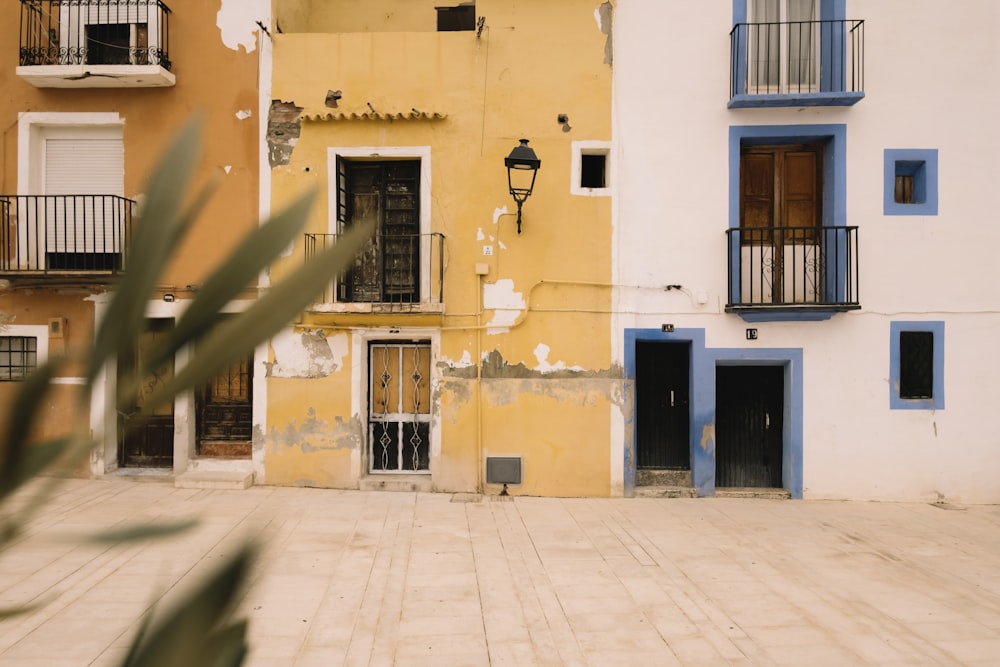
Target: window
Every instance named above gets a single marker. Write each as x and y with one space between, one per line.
451 19
18 357
590 168
112 32
916 365
910 182
783 46
385 194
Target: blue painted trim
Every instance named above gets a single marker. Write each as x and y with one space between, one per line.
820 99
834 195
926 186
937 401
792 435
702 404
785 315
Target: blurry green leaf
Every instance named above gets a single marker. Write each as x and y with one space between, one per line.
234 337
228 647
191 632
11 612
158 231
22 416
233 276
146 531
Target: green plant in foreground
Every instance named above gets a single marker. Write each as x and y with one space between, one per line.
199 630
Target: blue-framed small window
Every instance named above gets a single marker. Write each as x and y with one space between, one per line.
910 181
916 365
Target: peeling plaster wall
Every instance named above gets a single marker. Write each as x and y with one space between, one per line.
311 451
544 349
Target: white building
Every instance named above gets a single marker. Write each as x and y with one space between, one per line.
804 232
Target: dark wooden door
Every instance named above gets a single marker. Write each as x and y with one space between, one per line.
781 204
662 397
749 409
225 411
146 435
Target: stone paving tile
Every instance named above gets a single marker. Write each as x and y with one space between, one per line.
353 578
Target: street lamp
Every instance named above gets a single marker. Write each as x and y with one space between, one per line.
521 161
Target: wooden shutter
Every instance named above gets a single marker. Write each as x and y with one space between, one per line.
757 172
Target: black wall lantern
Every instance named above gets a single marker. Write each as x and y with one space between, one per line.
520 161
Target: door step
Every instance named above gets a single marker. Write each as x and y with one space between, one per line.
665 492
405 483
752 492
214 479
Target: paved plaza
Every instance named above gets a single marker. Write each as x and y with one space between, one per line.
366 578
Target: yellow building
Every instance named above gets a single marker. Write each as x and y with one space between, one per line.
93 92
465 348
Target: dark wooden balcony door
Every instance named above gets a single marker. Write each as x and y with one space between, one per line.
146 434
781 204
225 412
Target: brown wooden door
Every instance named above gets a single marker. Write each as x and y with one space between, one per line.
146 436
225 412
781 204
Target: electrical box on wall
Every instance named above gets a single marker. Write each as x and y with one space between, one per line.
503 469
57 327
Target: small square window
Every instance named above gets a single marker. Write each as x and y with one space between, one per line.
18 357
911 186
590 169
916 369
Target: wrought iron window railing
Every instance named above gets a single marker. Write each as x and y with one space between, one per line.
390 269
64 234
94 32
797 57
804 267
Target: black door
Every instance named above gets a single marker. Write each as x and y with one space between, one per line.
662 383
146 436
749 405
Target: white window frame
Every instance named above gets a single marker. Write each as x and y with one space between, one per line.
581 148
74 19
40 332
376 154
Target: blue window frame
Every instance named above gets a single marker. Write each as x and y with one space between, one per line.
915 172
916 365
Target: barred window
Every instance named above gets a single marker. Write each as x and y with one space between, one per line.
18 357
916 364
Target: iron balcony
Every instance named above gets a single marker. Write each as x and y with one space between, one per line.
797 63
94 43
793 268
396 269
64 235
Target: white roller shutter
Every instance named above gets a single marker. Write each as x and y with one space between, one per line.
88 167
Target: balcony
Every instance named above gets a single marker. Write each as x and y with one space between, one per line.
95 44
60 236
392 273
797 64
792 272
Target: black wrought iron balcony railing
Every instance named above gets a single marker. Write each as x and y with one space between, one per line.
51 235
94 32
801 63
793 268
390 269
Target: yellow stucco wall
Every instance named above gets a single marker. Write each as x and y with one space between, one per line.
151 116
546 385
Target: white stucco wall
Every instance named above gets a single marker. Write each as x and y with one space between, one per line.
930 83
